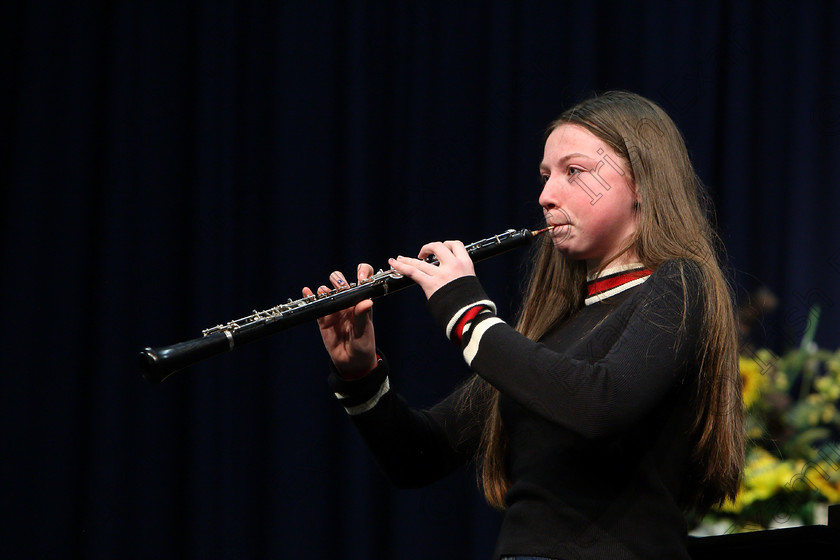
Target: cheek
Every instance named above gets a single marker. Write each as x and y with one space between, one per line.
598 225
609 214
583 199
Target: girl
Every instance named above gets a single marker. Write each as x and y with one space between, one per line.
623 358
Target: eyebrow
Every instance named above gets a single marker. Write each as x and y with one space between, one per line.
564 159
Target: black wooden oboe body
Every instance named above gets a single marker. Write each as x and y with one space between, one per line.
159 363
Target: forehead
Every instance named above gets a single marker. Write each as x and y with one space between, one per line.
568 138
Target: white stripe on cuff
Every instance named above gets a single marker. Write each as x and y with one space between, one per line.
458 314
471 349
370 403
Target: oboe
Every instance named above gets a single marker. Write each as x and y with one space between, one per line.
159 363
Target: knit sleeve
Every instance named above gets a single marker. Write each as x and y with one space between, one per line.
413 447
619 372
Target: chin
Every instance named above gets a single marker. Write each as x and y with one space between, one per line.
568 252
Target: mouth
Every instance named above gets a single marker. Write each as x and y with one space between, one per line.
557 218
557 221
560 229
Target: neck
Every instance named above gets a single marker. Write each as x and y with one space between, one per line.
625 258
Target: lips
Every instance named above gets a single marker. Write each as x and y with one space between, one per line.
559 232
557 217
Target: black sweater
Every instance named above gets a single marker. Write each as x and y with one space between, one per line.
597 415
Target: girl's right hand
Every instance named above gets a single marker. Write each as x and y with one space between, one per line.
348 334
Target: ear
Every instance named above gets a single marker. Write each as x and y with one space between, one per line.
634 191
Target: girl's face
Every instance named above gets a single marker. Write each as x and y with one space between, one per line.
587 191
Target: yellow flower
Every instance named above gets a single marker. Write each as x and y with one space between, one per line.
820 477
755 432
830 490
828 387
736 505
771 477
753 378
793 422
833 365
764 477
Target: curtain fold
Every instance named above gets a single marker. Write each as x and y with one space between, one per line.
168 167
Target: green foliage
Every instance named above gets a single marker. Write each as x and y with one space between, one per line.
793 422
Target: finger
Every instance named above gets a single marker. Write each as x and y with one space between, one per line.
362 315
462 256
443 252
364 271
403 267
338 280
412 267
436 248
457 248
363 307
322 321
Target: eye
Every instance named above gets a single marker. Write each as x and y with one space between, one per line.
575 171
544 178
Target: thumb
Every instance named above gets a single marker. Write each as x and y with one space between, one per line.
362 315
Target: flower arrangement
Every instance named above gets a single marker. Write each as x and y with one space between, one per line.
793 449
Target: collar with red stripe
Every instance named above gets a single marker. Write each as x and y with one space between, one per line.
615 280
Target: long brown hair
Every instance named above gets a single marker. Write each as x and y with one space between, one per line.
672 224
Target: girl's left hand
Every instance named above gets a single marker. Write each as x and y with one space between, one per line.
454 261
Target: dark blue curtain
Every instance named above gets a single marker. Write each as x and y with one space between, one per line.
170 166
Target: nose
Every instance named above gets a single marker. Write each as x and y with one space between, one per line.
549 196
